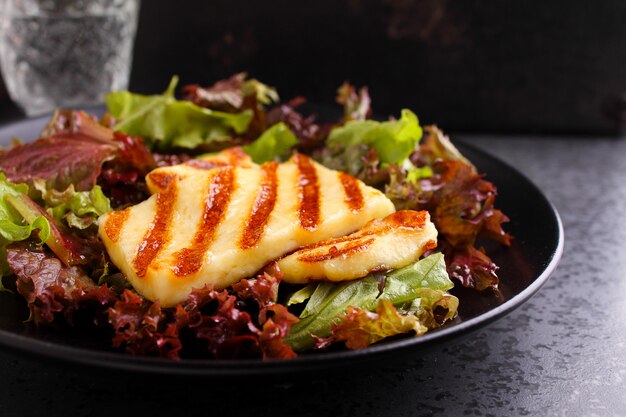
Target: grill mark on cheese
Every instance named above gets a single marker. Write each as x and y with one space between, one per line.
354 197
357 245
408 219
161 179
262 207
158 232
236 155
221 186
340 239
114 223
431 244
308 193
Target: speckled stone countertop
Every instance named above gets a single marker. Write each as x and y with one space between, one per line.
563 353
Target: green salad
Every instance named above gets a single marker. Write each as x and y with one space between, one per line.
65 196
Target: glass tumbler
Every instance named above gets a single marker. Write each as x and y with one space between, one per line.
65 53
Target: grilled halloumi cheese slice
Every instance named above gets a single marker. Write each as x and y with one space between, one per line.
394 242
216 226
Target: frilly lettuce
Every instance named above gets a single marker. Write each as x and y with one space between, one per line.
231 94
275 143
79 209
165 122
393 140
20 215
13 227
356 105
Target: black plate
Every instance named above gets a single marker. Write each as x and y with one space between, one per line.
524 267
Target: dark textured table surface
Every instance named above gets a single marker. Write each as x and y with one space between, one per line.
563 353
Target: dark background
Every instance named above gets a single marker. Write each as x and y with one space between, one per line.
501 66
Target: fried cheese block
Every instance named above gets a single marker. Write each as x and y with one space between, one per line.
394 242
216 226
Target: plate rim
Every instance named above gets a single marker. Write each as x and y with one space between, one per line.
118 361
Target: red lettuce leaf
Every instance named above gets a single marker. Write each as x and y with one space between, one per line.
76 149
214 318
123 188
263 289
166 160
276 326
356 106
210 322
123 178
69 122
59 160
492 227
310 134
229 326
274 319
225 95
71 150
472 267
133 155
461 204
143 328
52 290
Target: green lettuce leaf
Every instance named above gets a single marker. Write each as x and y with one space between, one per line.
393 140
275 143
413 173
79 209
264 93
13 227
301 295
403 286
165 122
21 215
